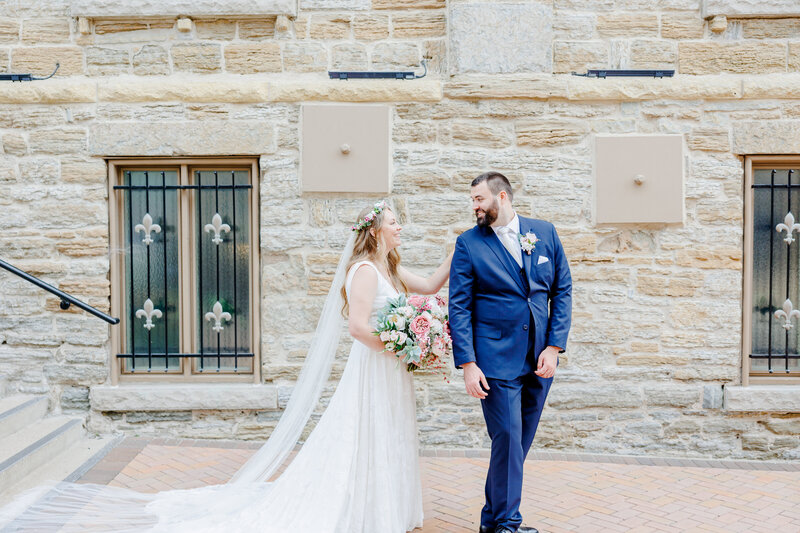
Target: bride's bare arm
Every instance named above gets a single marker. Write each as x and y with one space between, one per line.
430 285
362 294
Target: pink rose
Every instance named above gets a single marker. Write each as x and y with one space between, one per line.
419 302
420 325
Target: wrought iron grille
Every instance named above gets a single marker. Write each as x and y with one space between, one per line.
157 255
776 259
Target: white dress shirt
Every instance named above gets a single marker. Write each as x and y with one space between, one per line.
509 236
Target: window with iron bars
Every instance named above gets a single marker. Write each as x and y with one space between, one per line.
184 268
771 336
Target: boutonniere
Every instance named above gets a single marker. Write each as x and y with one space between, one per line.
528 242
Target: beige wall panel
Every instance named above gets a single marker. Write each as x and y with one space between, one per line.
638 179
346 148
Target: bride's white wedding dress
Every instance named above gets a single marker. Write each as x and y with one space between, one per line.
358 471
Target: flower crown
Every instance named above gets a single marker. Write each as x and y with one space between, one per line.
369 218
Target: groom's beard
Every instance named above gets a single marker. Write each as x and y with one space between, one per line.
487 217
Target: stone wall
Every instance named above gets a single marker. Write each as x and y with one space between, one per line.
657 320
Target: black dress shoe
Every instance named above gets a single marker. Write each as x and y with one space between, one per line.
502 529
486 529
526 529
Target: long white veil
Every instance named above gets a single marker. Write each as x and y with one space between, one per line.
74 507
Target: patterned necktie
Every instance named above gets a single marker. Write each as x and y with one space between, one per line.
509 239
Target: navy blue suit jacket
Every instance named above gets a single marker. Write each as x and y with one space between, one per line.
491 306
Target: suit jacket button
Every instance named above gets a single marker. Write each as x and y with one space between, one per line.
525 327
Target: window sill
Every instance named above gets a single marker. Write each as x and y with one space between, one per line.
763 398
188 8
183 397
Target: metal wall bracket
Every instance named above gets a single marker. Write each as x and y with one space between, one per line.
26 77
397 75
626 73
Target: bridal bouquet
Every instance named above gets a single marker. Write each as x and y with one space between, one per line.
416 329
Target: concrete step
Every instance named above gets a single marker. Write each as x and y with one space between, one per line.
19 411
68 465
34 445
3 386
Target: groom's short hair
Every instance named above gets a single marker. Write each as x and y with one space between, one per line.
496 182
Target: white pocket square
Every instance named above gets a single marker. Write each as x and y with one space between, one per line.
542 259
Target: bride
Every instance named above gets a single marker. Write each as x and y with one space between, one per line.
358 471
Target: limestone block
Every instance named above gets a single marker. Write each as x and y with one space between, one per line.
29 117
370 27
653 54
151 60
343 5
413 132
573 26
749 7
257 29
416 24
473 133
582 397
41 60
408 4
101 61
305 57
526 44
75 374
627 25
678 88
771 86
186 89
45 30
58 141
256 57
710 138
766 137
712 396
39 170
395 56
499 87
298 90
14 144
420 180
349 56
794 57
112 26
737 58
578 56
193 57
783 426
329 27
183 397
550 132
771 28
9 30
681 26
75 398
435 51
763 398
668 396
209 137
215 30
173 8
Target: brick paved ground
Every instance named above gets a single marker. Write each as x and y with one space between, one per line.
562 492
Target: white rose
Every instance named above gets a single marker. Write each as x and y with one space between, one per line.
385 336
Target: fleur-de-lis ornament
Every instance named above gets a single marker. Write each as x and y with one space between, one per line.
147 227
217 315
789 227
217 226
148 312
787 314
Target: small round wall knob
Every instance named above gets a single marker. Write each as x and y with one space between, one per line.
345 148
638 179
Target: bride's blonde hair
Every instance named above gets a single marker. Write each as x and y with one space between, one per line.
367 248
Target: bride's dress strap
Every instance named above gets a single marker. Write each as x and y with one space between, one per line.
353 269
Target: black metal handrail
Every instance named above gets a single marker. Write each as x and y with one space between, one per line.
66 299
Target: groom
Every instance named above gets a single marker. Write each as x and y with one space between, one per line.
510 311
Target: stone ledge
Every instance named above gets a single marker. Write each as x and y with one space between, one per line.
763 399
750 8
355 90
188 89
183 397
189 8
52 91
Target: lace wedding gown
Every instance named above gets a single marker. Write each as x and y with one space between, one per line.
358 471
